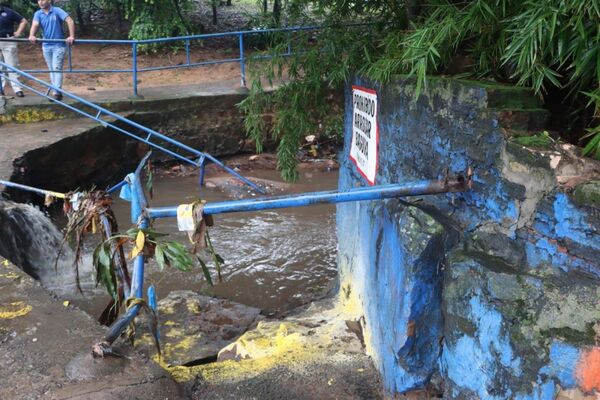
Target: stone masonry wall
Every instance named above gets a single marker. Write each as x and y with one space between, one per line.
489 294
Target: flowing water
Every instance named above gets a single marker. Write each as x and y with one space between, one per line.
274 260
29 239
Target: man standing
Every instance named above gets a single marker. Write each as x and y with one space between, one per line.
51 19
8 50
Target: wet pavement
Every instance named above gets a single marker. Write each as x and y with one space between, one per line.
45 351
45 354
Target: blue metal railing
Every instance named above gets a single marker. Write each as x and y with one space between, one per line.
132 129
141 213
135 68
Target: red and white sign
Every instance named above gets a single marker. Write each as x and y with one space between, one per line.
365 133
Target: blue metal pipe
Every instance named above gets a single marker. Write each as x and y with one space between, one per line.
116 187
78 41
187 52
138 205
242 66
188 37
32 189
198 64
202 162
135 68
70 52
307 199
78 71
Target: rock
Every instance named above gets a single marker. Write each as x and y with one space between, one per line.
195 327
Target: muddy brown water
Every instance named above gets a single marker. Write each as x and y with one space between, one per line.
275 260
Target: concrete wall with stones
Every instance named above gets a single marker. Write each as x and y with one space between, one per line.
489 294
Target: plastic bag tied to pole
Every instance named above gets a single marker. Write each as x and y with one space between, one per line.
191 218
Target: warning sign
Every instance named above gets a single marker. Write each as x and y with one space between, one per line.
365 133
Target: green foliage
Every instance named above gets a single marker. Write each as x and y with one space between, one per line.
151 244
24 7
593 146
157 18
150 19
543 45
309 103
540 140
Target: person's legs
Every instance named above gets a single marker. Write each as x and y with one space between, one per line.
58 59
47 52
2 51
11 58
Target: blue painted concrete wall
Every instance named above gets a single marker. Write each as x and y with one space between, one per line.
490 294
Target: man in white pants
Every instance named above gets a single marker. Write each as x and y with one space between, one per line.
8 50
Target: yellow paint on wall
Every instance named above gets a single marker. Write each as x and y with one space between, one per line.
14 310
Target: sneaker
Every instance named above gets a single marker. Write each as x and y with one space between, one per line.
57 96
19 94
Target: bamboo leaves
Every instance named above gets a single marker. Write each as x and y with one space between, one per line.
105 269
546 45
151 244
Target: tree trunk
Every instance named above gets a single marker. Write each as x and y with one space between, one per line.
265 7
277 11
214 12
412 10
79 16
180 16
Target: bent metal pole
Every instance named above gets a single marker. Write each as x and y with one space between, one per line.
418 188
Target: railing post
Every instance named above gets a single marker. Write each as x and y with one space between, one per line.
187 51
70 58
138 206
202 162
242 66
135 68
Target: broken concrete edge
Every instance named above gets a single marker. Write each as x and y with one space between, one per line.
318 334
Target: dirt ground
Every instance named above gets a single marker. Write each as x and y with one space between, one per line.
99 57
92 56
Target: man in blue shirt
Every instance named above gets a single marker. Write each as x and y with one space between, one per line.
8 50
51 20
